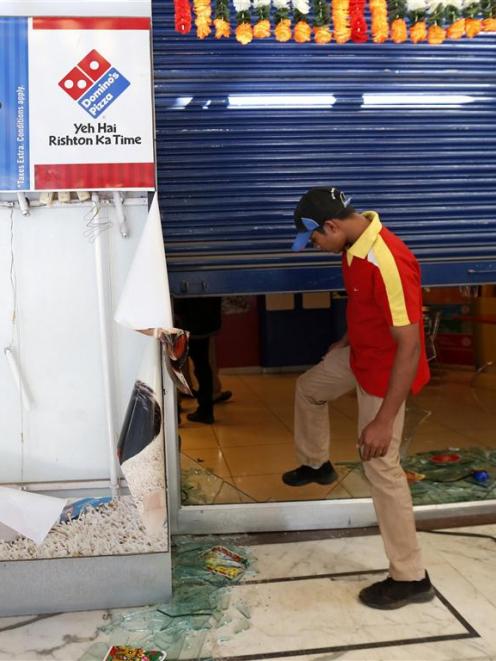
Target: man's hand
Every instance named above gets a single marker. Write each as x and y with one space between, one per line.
375 439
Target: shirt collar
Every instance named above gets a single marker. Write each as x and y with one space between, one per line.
366 240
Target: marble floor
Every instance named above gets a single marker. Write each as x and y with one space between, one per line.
301 601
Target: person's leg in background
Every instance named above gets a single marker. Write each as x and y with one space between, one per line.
393 505
219 395
328 380
199 352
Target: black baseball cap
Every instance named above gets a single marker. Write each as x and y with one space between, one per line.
314 208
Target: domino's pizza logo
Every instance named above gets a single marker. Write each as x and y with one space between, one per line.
94 83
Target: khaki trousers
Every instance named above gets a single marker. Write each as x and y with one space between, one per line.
327 381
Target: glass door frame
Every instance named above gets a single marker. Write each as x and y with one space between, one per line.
279 516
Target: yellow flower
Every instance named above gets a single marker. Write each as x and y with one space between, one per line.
323 34
418 32
399 32
489 25
282 30
436 35
203 27
261 30
457 29
244 33
203 20
340 11
302 32
222 28
472 27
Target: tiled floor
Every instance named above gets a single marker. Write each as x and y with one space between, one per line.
251 443
300 603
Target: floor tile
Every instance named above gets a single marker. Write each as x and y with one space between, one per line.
210 459
323 612
198 438
266 488
260 460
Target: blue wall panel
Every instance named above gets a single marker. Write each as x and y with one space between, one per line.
242 132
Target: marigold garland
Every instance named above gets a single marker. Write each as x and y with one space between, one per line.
244 30
261 29
203 20
282 30
321 29
221 20
397 11
418 32
420 20
302 30
436 34
182 16
379 22
457 29
358 24
340 19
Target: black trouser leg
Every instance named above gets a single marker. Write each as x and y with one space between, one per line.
199 350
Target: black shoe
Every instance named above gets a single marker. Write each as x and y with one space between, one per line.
201 416
222 396
390 594
306 474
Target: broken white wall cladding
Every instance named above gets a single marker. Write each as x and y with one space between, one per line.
76 8
56 341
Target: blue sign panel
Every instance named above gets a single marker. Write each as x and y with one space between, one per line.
14 113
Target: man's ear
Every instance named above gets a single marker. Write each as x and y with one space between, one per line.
332 225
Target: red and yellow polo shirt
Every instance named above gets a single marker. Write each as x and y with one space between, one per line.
382 279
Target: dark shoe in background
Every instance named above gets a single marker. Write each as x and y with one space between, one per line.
201 416
390 594
306 474
222 397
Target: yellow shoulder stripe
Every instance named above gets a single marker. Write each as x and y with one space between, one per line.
392 281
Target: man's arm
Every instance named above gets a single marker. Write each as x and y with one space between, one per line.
376 436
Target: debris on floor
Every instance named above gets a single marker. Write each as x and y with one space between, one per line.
125 653
199 604
452 475
114 528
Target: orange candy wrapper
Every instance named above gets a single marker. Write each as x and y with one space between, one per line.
221 560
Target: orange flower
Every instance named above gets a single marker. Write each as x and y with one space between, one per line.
380 26
489 25
222 28
203 20
322 34
302 32
261 30
282 30
457 29
436 35
203 24
399 32
418 32
472 27
340 17
244 33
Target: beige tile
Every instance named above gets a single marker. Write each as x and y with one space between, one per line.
196 438
265 488
210 459
251 435
260 460
356 484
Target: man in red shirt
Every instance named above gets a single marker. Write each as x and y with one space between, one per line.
382 355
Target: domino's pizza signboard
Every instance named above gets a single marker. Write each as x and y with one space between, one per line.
75 104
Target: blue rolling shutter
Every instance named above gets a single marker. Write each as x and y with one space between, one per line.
407 130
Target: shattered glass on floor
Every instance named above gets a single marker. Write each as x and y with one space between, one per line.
200 486
201 598
455 480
